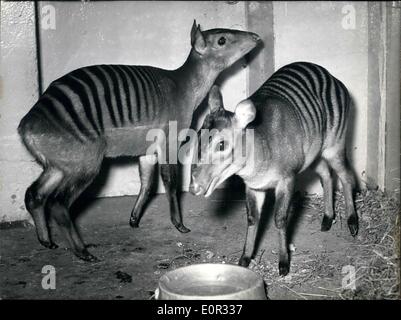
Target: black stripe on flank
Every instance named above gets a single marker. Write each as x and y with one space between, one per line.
135 83
149 92
49 111
156 87
338 97
80 91
304 72
306 95
63 98
107 92
133 89
328 101
346 115
322 77
314 80
283 91
123 76
113 87
143 95
302 69
116 91
318 73
274 92
137 90
291 89
276 89
86 77
345 100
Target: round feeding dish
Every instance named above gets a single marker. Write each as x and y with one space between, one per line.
209 281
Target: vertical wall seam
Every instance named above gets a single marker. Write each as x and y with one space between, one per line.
374 96
261 61
392 147
38 48
382 120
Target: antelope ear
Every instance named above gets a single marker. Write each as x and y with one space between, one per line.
193 32
244 113
215 100
197 40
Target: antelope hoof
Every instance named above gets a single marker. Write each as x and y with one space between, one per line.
327 222
244 261
283 268
91 245
181 228
48 244
86 256
134 222
353 225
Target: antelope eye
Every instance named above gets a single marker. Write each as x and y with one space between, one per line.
222 146
221 41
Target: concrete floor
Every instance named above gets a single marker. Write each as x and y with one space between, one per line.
218 230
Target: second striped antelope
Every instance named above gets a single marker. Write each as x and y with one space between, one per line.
299 119
106 111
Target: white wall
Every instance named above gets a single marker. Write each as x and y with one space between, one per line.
18 92
313 31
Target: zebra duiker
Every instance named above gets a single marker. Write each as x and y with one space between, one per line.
299 117
105 111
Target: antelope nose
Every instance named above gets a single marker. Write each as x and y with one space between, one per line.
255 37
194 187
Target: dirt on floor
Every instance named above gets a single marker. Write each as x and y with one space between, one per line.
132 260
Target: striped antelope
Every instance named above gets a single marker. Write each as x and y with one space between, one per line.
106 111
299 117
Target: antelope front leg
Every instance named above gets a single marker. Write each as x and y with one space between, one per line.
147 166
254 204
169 174
284 191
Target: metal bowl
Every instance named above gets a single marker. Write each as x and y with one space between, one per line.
209 281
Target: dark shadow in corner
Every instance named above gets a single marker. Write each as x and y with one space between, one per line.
231 197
